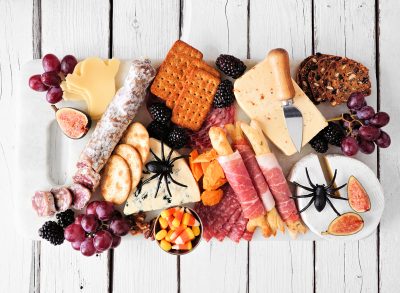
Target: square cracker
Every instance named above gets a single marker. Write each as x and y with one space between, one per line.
195 100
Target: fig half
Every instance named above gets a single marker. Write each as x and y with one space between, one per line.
346 224
358 197
73 123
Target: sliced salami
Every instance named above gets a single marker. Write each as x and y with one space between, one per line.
86 176
238 229
62 198
81 194
43 203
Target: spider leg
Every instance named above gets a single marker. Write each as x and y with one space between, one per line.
303 196
158 184
176 182
336 197
162 151
330 203
307 206
155 156
304 187
170 154
309 180
150 178
337 188
166 183
177 158
333 179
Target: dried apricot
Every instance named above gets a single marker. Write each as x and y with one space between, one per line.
196 169
207 156
214 176
211 197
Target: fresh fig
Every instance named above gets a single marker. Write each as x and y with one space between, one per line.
73 123
358 197
346 224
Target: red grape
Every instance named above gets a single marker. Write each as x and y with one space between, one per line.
368 132
116 241
366 112
102 240
383 141
104 210
54 95
90 223
68 64
35 83
91 207
51 78
349 146
116 215
76 245
87 247
119 227
78 219
50 62
366 147
356 101
74 232
380 119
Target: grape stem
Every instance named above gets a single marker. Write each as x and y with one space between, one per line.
54 108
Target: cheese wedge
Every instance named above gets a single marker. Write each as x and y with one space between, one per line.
256 95
144 199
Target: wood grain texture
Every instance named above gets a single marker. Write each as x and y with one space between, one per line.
16 253
80 28
281 266
389 265
144 28
349 32
216 27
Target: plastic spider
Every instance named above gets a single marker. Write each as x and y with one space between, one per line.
162 168
320 194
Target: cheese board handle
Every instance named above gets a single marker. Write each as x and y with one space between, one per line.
279 61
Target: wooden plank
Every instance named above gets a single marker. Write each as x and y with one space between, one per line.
349 32
281 266
144 28
390 158
80 28
216 27
16 34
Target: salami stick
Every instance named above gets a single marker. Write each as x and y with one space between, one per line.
118 115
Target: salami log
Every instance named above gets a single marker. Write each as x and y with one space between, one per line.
86 176
81 194
118 115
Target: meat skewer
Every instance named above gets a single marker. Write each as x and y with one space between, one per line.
275 178
239 179
256 175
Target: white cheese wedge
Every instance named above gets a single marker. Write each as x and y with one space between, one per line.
145 200
256 95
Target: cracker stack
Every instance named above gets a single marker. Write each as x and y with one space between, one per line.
332 78
187 85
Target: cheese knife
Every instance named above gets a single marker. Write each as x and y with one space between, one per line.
284 91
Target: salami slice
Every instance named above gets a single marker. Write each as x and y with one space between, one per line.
118 115
81 194
86 176
43 203
238 229
62 197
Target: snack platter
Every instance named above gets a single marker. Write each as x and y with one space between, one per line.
47 158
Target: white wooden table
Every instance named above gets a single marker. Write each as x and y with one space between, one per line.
366 30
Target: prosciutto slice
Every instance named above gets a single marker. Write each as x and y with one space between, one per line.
255 173
239 179
279 187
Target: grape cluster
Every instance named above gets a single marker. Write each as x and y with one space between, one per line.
50 80
363 127
98 230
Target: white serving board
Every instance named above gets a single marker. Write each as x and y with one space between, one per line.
47 158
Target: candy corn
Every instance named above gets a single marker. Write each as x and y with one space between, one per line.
163 223
178 217
161 234
169 212
189 220
185 246
176 233
185 236
168 236
196 230
165 245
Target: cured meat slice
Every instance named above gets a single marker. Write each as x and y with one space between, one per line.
81 194
62 197
239 179
238 229
86 176
255 173
247 235
43 203
200 140
227 227
279 187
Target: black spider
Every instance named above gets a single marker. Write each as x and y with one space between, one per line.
162 169
320 194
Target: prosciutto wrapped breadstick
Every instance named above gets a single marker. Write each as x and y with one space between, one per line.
275 178
239 179
257 177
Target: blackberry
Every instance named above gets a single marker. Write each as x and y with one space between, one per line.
177 137
230 65
52 232
333 133
160 113
319 144
224 96
65 218
157 130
